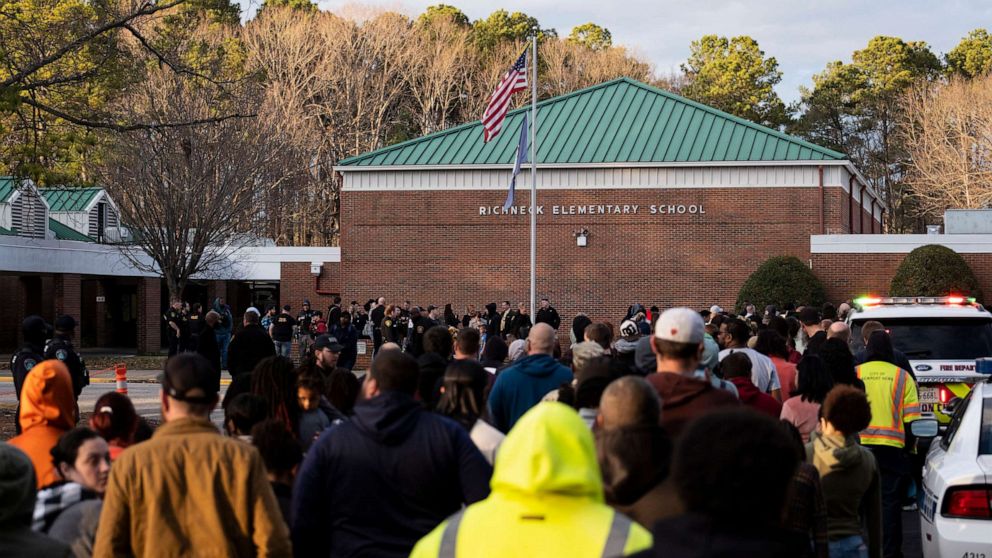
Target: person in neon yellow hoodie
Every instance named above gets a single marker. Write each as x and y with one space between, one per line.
546 500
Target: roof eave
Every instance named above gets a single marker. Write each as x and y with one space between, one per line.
624 164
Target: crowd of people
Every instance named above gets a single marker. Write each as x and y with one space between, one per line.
678 433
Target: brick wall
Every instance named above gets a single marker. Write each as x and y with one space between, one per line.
847 276
12 302
296 283
435 248
67 298
149 315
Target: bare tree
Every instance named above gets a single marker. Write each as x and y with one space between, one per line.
188 194
947 128
569 66
440 71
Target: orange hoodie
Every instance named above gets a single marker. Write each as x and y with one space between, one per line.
48 410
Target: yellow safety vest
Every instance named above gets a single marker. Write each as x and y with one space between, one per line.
894 401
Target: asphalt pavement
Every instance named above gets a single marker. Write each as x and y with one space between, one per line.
142 388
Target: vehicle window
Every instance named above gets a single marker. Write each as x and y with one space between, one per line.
955 423
938 339
985 439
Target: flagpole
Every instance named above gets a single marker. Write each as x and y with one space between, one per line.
533 180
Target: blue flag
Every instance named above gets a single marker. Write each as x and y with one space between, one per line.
521 159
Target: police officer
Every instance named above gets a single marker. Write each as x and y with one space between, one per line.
390 325
305 320
419 323
36 331
60 347
175 323
548 315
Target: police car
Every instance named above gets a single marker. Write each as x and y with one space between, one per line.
941 336
956 500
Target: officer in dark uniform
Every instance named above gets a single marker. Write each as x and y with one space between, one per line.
305 336
175 321
36 331
60 347
548 315
418 325
390 326
196 324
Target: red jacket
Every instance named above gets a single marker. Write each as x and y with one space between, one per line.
752 397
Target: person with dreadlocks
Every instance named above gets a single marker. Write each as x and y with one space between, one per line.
463 400
274 379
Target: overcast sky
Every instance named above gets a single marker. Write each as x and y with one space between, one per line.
803 35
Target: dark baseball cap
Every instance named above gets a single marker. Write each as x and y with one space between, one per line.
65 323
328 342
189 377
809 315
36 329
431 307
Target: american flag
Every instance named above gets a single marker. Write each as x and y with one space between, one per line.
515 80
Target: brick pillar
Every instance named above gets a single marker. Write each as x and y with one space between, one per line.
149 322
100 315
217 289
67 298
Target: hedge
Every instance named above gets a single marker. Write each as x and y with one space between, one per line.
781 280
934 270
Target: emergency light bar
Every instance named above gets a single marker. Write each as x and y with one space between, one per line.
883 301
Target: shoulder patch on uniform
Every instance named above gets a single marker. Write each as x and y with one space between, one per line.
61 354
29 363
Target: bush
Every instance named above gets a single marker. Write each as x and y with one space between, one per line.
934 270
779 281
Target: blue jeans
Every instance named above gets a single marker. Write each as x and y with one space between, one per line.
284 348
223 340
849 547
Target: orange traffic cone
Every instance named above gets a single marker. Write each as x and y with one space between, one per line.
120 371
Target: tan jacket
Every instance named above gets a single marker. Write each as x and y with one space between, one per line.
190 492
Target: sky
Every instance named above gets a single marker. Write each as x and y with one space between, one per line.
803 35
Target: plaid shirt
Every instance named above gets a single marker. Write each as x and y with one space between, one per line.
56 498
805 511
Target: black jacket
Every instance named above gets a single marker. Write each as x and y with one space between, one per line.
61 348
206 345
349 338
695 536
375 485
248 348
549 316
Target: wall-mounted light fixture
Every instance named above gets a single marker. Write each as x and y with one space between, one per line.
582 237
315 268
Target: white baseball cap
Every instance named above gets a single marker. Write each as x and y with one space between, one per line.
680 325
715 309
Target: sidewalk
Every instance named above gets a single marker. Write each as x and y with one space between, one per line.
133 377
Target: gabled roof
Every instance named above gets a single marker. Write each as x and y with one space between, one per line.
7 188
619 121
63 232
68 199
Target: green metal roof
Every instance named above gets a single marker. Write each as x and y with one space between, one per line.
63 198
7 188
63 232
619 121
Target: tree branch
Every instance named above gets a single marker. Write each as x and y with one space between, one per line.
128 127
146 9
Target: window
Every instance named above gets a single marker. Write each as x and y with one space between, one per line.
955 423
935 338
985 438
